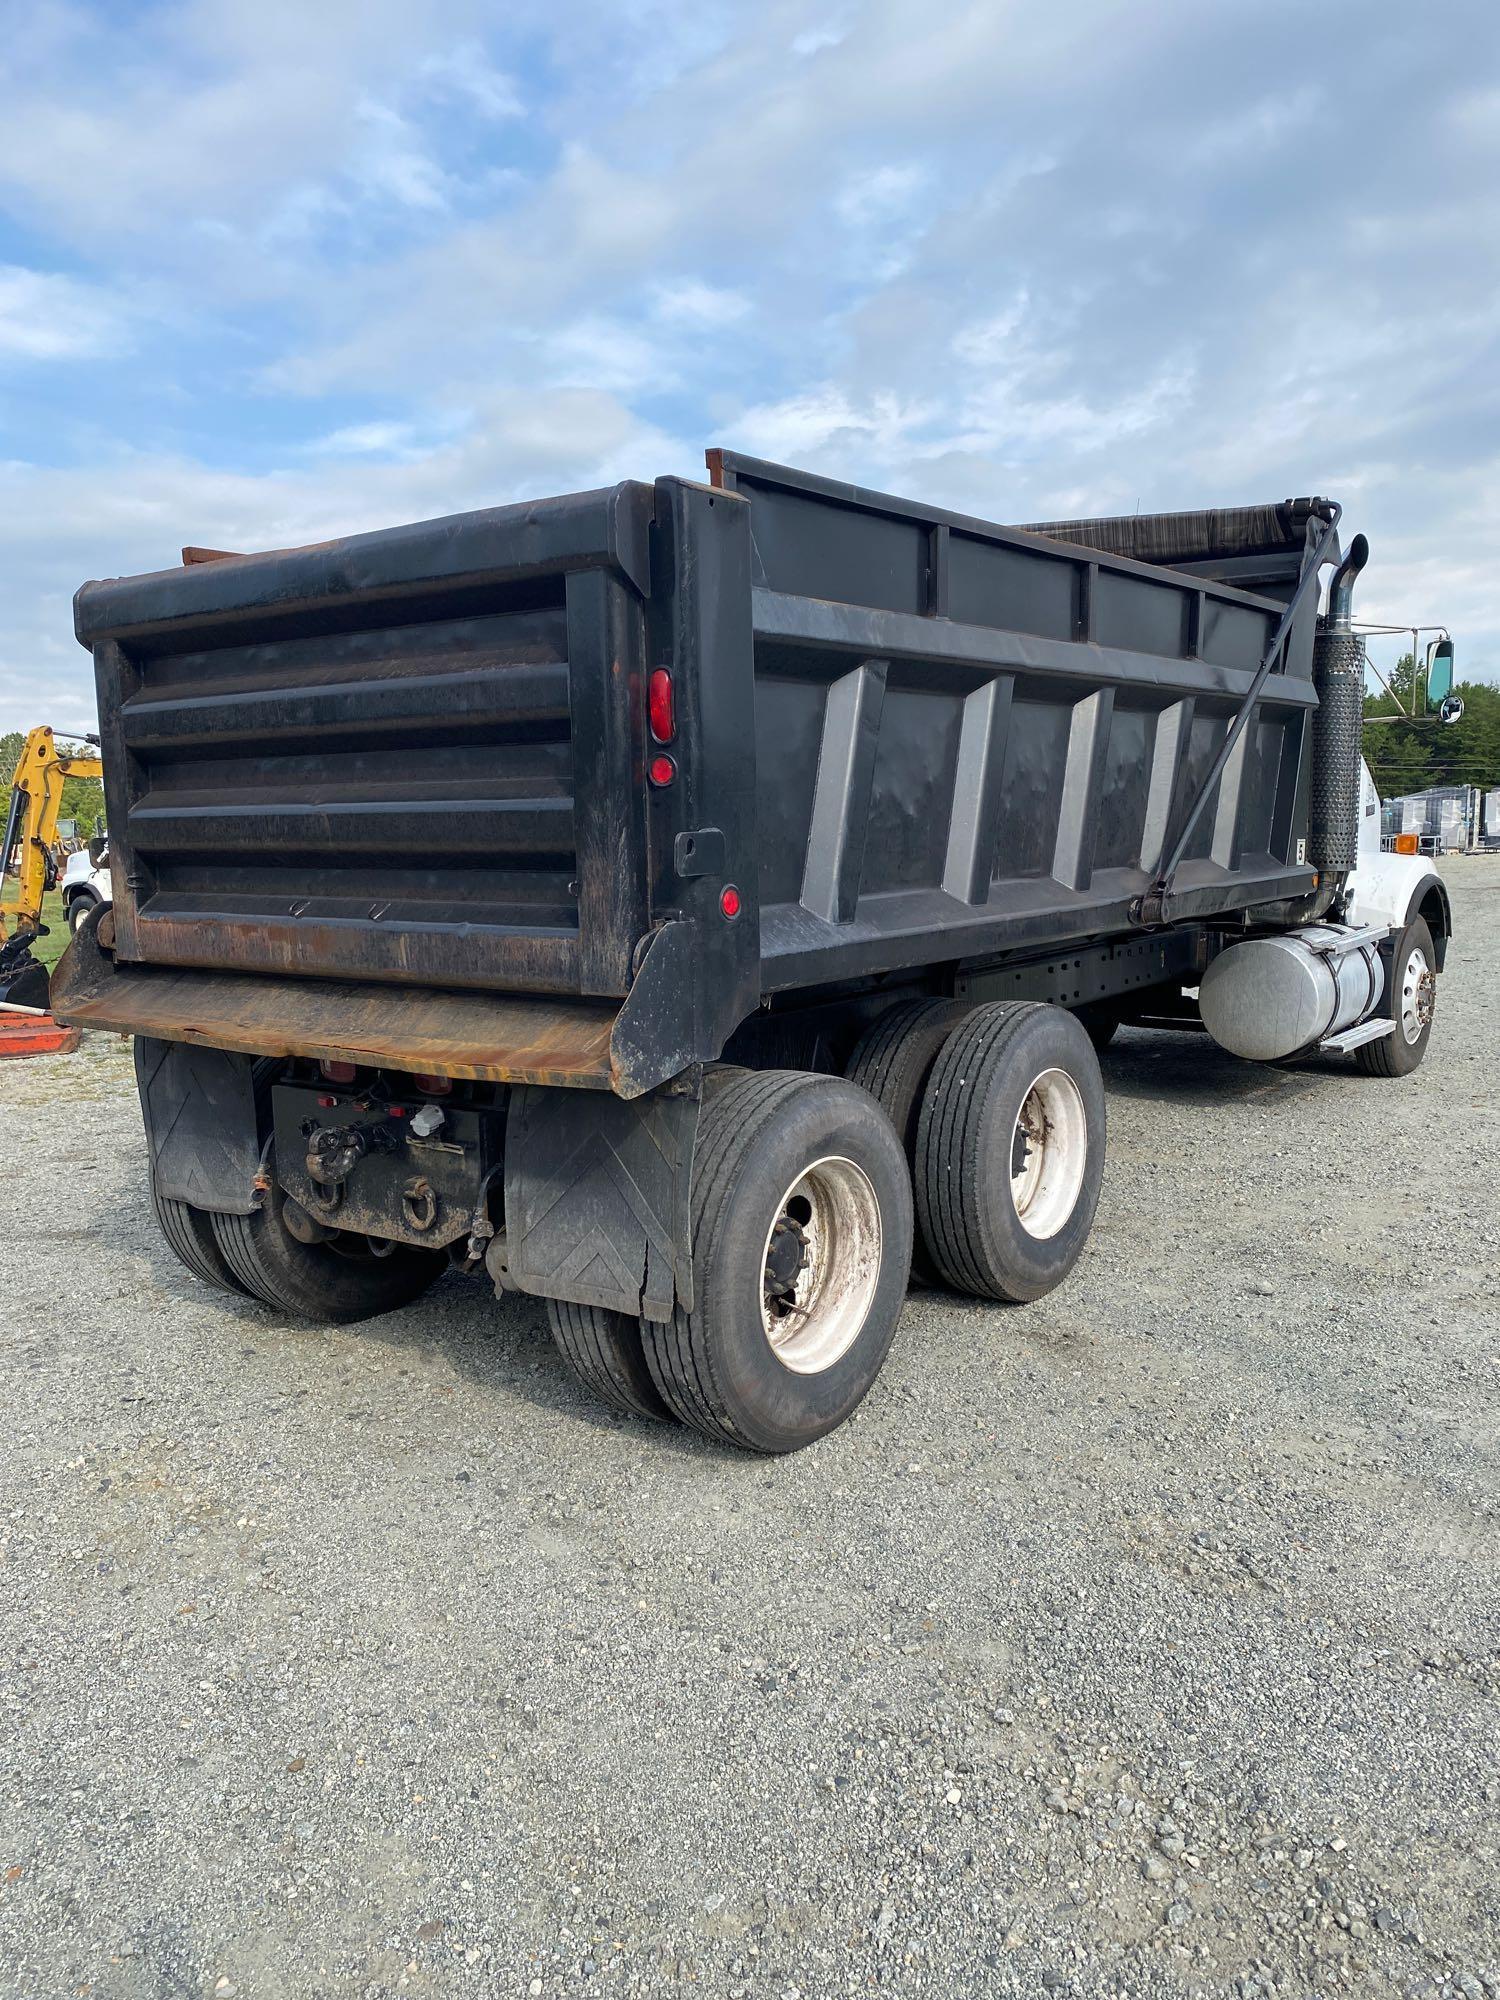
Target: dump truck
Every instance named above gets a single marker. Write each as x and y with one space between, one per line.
698 905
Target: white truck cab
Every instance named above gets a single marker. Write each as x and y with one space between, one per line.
1394 889
85 883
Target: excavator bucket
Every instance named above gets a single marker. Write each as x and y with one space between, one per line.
23 978
27 1028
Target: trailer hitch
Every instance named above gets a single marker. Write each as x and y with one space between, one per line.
1154 906
336 1151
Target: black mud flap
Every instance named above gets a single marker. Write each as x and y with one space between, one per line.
200 1112
596 1198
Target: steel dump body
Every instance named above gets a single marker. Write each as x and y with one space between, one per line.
907 739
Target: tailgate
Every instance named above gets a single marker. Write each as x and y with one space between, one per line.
406 756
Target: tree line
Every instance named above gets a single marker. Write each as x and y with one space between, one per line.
1406 756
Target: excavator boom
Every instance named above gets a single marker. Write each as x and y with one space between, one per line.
26 863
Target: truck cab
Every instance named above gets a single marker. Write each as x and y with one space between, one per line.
85 884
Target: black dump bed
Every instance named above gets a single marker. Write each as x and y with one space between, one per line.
421 758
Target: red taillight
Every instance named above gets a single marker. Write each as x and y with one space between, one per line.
433 1086
661 706
729 900
338 1072
662 771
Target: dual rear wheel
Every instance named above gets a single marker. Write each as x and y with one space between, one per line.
258 1256
802 1229
976 1135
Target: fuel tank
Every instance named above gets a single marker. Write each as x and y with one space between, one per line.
1273 996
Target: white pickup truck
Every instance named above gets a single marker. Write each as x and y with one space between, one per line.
85 881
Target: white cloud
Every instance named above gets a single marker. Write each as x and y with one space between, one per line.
46 316
881 194
812 40
1270 121
202 118
391 164
464 72
690 302
379 439
827 420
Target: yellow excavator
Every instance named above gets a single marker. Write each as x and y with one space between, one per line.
27 857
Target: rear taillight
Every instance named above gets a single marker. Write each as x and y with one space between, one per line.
662 770
661 706
338 1072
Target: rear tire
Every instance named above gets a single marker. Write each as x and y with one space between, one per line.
1410 1001
313 1280
189 1235
1010 1150
604 1350
893 1061
802 1220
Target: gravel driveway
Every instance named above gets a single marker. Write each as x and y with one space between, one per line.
1145 1640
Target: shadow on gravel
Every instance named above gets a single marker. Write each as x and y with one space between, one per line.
504 1344
1191 1068
500 1344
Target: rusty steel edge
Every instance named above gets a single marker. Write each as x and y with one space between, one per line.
482 1037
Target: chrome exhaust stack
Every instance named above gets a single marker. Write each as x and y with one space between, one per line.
1339 676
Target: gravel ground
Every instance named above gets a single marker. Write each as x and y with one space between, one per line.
1143 1641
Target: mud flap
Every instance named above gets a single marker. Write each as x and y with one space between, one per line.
596 1197
199 1108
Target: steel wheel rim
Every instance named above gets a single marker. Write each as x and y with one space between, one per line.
1418 992
1049 1151
829 1219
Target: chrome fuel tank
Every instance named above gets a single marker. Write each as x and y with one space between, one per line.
1271 996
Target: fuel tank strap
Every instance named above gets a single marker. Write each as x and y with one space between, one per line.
489 1037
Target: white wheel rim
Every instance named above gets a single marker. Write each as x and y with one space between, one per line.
828 1224
1418 991
1049 1150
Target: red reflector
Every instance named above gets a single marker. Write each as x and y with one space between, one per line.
338 1072
661 706
327 1103
729 900
663 770
396 1110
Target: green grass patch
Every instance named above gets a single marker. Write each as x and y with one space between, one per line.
50 949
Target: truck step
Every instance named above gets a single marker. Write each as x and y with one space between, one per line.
1358 1035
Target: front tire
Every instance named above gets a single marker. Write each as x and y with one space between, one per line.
79 911
1010 1151
1410 1001
802 1225
315 1281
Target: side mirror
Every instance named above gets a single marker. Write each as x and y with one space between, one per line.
99 850
1439 672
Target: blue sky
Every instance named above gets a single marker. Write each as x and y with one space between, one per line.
271 273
